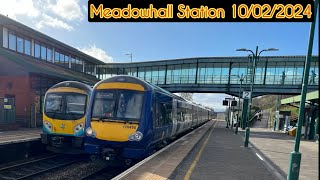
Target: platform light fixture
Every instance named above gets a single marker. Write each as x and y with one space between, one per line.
130 55
254 60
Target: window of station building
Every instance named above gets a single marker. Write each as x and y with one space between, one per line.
43 52
27 47
37 50
12 41
89 68
79 65
73 63
66 61
19 44
49 54
61 59
56 57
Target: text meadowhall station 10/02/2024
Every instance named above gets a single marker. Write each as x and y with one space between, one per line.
208 11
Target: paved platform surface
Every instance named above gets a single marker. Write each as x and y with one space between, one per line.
275 148
162 164
21 135
220 155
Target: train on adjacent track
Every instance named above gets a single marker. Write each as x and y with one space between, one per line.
128 118
64 112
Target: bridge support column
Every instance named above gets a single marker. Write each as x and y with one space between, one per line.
244 113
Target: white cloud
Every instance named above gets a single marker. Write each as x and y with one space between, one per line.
53 22
67 9
14 8
57 14
211 100
98 53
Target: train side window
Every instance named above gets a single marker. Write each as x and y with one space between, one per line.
156 115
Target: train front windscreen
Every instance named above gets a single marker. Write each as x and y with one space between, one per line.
117 105
65 106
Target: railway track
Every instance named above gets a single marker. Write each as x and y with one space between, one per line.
103 173
35 167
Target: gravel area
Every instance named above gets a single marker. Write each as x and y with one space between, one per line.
73 171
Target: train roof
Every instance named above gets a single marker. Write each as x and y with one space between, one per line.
73 84
146 85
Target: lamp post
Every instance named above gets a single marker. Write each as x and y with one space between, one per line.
295 156
130 55
254 59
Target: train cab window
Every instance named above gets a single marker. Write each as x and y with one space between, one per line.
53 103
130 105
75 104
104 104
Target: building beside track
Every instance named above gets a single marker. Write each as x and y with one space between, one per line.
30 63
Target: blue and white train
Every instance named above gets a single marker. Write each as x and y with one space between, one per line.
129 118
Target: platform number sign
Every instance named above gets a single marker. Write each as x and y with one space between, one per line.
246 95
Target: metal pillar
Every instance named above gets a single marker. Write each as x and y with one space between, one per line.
277 113
228 120
244 112
237 125
295 156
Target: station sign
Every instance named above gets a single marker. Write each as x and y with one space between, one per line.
7 106
225 103
5 100
246 94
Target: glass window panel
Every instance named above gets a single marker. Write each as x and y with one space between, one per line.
19 44
56 57
141 72
12 41
37 50
62 59
49 54
162 73
27 47
43 52
148 74
271 73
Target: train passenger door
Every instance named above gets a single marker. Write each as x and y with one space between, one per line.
174 117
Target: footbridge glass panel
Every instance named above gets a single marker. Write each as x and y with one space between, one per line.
277 70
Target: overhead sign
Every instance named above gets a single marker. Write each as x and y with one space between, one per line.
225 103
246 94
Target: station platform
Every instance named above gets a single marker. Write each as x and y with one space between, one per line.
275 148
21 135
215 152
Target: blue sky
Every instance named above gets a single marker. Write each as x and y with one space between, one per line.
67 21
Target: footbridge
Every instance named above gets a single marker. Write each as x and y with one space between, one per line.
273 74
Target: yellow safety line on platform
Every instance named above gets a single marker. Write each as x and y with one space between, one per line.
195 161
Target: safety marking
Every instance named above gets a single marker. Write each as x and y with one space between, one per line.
131 169
195 161
259 156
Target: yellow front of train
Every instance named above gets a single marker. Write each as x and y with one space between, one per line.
64 112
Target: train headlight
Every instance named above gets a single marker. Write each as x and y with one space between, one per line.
78 128
137 136
90 132
48 126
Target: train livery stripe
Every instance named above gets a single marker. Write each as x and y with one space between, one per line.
67 89
113 131
63 126
122 85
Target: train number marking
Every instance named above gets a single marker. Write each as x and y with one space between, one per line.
129 127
